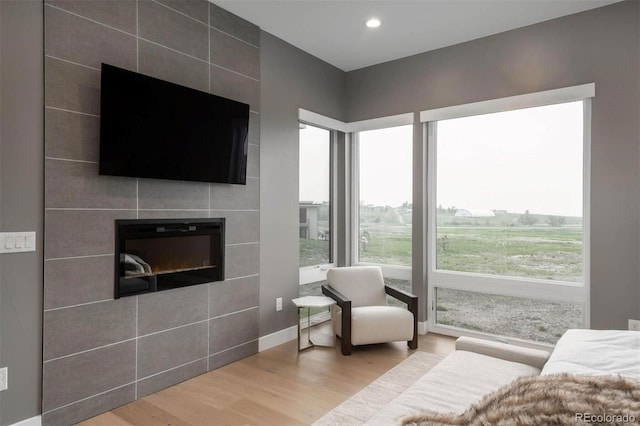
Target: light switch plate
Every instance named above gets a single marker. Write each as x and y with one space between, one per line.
4 379
17 242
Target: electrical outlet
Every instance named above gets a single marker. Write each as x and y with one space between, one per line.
634 325
279 304
3 379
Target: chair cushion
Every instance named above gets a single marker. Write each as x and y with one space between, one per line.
363 285
378 324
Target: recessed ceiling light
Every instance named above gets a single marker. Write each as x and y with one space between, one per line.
373 23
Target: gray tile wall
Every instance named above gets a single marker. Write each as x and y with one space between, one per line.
100 353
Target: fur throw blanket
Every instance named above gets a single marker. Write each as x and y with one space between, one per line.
561 399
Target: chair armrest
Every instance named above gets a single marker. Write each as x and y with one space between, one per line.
401 295
331 292
412 305
345 305
533 357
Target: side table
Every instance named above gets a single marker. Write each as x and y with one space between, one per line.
312 302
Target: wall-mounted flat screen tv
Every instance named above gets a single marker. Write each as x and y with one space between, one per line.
151 128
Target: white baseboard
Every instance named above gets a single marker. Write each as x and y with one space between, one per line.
277 338
33 421
288 334
422 328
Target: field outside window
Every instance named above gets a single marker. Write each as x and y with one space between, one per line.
541 320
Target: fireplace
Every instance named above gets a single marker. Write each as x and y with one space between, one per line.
155 255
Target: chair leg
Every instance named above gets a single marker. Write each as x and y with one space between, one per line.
413 343
413 307
345 345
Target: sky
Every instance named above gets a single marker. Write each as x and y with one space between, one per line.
314 164
528 159
385 166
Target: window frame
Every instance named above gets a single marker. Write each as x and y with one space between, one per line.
501 285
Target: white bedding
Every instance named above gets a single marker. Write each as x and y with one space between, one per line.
596 352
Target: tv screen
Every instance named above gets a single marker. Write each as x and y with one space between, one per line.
151 128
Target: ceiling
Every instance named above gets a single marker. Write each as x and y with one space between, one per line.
334 30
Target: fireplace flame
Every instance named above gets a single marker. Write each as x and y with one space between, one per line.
178 266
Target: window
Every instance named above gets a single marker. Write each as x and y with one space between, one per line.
508 250
384 213
315 196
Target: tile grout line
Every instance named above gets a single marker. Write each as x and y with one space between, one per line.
77 305
86 398
235 312
234 37
235 72
90 20
209 81
70 111
57 58
78 257
137 36
98 116
89 209
235 210
71 160
172 368
88 350
181 13
137 179
172 328
235 347
208 323
239 278
137 339
209 45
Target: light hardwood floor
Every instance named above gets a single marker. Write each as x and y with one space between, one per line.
276 387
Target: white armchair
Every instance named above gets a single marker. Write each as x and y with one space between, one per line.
365 317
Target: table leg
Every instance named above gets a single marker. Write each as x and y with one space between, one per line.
299 331
309 327
334 316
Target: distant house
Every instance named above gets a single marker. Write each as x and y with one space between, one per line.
309 220
474 213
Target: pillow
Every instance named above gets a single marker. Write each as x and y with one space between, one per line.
596 352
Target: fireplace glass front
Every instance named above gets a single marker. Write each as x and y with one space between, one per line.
153 255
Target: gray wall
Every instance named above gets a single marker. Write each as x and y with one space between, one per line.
21 128
100 353
291 79
598 46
